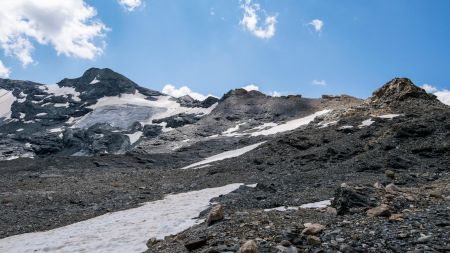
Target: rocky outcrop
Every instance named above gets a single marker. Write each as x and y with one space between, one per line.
399 89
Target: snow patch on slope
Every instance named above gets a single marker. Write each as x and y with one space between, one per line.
389 116
6 101
134 137
123 231
61 91
366 123
224 155
290 125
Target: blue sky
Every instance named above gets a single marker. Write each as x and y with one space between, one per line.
204 45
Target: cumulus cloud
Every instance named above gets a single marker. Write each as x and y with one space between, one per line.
251 87
251 20
68 26
429 88
275 94
442 95
183 91
319 82
4 71
317 24
130 5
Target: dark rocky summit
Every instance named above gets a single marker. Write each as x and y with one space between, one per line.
380 165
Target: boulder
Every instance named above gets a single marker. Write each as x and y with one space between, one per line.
312 228
215 214
379 211
249 247
347 197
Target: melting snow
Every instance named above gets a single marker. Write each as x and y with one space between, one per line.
314 205
290 125
225 155
136 106
41 114
134 137
324 124
61 91
320 204
389 116
94 81
230 131
345 127
123 231
56 130
6 101
366 123
66 105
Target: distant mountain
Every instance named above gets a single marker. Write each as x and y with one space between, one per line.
99 112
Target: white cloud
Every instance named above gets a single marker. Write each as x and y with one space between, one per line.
130 5
275 94
251 87
317 24
69 26
319 82
4 71
442 95
429 88
212 12
251 20
183 91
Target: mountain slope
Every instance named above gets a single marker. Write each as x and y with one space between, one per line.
390 151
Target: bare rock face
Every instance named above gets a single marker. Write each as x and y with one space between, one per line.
249 247
216 214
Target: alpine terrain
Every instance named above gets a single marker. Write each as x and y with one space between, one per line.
101 164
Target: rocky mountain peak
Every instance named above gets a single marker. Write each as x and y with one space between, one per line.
96 83
399 89
242 93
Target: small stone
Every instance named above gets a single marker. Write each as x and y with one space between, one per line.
345 248
436 195
286 243
391 188
379 211
331 211
424 239
378 185
313 240
216 214
151 242
249 247
389 174
283 249
312 228
196 244
396 217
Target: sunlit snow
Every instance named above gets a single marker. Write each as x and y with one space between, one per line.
225 155
366 123
389 116
61 91
94 81
6 101
314 205
134 137
123 231
290 125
